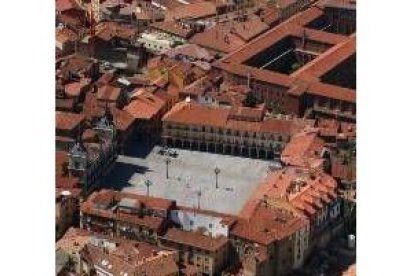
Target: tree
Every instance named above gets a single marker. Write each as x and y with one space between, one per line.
251 100
276 108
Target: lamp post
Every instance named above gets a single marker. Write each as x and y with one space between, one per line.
148 183
216 171
198 197
167 162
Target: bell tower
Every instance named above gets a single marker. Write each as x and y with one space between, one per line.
105 126
78 161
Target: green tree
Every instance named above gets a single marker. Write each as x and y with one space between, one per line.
251 100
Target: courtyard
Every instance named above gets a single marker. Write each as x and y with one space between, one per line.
191 177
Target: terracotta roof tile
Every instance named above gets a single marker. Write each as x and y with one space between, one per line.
68 120
190 50
65 34
62 179
304 149
132 258
64 5
108 30
249 29
295 186
268 225
218 39
195 239
173 27
191 11
197 114
144 105
108 93
108 197
73 240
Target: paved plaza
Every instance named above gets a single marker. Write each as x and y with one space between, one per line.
189 173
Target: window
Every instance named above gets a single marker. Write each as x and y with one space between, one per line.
210 225
191 222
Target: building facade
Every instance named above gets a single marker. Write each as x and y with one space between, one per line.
91 161
236 131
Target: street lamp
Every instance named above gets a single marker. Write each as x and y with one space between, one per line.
198 197
167 162
216 171
148 184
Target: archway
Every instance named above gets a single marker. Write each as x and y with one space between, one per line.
219 148
253 153
236 150
227 149
169 142
178 143
244 152
186 144
262 154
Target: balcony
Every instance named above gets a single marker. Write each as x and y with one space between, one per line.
334 112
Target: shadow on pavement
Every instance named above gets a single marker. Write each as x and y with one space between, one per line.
138 148
121 174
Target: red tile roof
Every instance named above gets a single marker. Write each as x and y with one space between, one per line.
73 240
218 39
132 258
342 170
332 92
65 104
269 224
250 28
68 120
93 109
344 47
109 29
300 188
197 114
195 239
270 15
328 60
150 202
144 105
64 5
104 197
72 89
63 180
65 34
304 150
108 93
173 27
191 11
105 79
